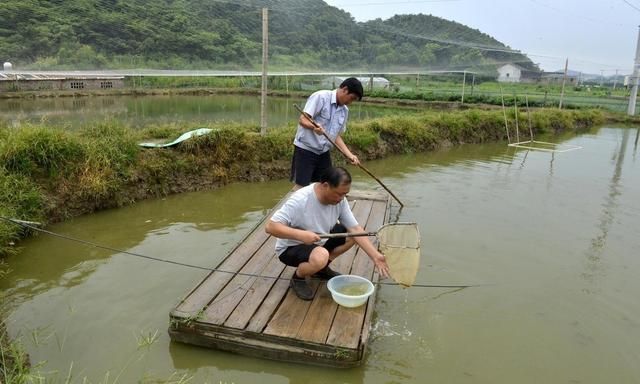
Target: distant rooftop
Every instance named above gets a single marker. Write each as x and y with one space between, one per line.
41 76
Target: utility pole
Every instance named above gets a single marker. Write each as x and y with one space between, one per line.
473 83
265 60
601 77
464 81
631 109
615 80
564 80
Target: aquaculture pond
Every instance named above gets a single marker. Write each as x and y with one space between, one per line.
189 111
548 241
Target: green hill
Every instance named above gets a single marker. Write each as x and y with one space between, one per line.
206 34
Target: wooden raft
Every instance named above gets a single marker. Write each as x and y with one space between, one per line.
262 317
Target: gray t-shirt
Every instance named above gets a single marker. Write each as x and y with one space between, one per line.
323 107
304 211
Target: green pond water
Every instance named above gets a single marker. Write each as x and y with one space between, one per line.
549 241
140 111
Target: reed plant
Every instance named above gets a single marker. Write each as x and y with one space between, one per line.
14 361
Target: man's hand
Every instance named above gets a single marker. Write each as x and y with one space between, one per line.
318 129
354 159
308 237
381 265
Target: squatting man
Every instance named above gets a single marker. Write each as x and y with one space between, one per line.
318 208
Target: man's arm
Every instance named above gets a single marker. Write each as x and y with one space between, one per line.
366 245
306 123
311 108
286 232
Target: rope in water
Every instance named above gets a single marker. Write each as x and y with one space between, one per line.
32 225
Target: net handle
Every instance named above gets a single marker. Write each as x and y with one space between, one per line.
359 234
340 235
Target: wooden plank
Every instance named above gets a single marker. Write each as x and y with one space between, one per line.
271 302
268 347
361 210
362 262
240 317
347 324
368 195
290 315
227 300
349 337
318 319
200 297
364 338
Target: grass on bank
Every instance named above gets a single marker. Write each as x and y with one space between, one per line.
52 174
14 361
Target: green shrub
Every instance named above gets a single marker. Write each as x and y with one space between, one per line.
40 151
360 139
20 198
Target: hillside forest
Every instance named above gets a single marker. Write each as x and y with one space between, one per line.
206 34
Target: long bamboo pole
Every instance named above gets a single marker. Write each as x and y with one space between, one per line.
345 155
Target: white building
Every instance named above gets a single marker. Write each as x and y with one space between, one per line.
510 73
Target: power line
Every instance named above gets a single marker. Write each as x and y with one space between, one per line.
32 226
631 5
449 42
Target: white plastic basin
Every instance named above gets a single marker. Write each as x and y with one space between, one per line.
350 290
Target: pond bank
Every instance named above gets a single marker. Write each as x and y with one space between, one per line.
50 175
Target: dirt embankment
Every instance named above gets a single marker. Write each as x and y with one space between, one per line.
51 175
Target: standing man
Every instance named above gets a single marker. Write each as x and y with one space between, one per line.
313 210
311 149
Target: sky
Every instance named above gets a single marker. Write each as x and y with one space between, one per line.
596 36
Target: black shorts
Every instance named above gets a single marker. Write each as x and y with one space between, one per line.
297 254
307 167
